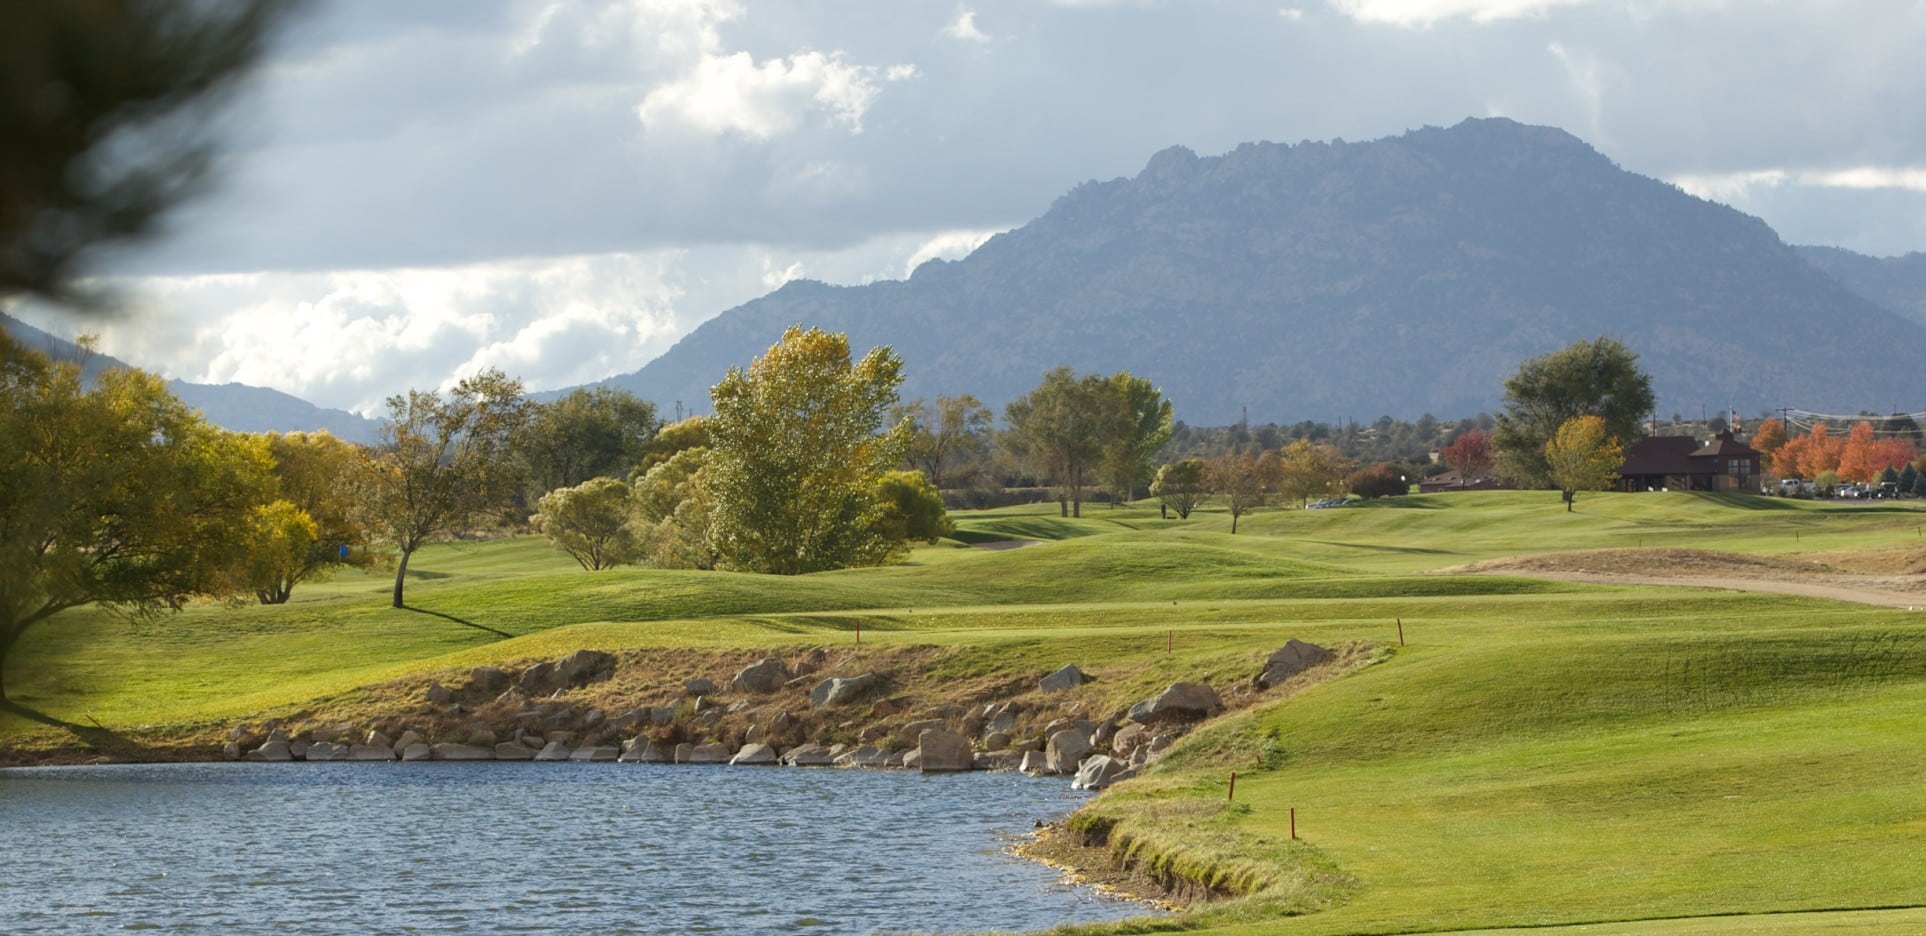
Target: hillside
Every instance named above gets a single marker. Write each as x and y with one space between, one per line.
1895 283
236 407
1326 280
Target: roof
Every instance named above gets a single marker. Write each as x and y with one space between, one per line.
1663 455
1724 446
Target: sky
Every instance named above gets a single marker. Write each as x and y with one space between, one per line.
412 192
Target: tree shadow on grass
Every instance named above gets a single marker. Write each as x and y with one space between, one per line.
96 737
465 623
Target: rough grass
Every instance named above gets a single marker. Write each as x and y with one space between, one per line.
1537 754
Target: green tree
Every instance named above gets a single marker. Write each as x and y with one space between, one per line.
912 508
1242 481
947 437
1057 430
119 495
1599 378
314 476
672 439
1181 486
1583 456
671 508
590 522
1134 423
1309 469
108 109
1377 481
599 433
281 541
1908 479
439 463
797 442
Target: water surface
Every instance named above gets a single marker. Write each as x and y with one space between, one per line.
526 848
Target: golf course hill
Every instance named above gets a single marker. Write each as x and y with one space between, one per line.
1500 715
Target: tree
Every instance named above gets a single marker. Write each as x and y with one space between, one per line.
671 505
439 463
109 113
953 433
590 522
673 439
1134 422
1307 469
1377 481
118 495
281 541
912 508
1769 438
599 433
1583 456
317 532
1182 486
1856 455
1242 481
1908 479
1919 484
796 445
1599 378
1057 429
1469 455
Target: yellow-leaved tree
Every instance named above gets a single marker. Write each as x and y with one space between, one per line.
1583 456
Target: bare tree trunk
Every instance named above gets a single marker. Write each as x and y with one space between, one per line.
401 573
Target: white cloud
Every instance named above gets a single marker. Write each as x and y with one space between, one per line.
964 28
1908 178
1732 186
1589 76
773 276
1291 13
949 245
735 93
1740 186
1423 13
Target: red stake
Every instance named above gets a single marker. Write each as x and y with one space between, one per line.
1400 632
1232 796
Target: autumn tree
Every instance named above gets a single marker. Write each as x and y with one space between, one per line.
599 433
1181 486
947 437
1309 469
1583 456
311 530
1377 481
796 445
1599 377
1242 481
1856 456
590 522
117 495
1135 420
1469 454
1769 438
670 508
912 508
440 462
1810 455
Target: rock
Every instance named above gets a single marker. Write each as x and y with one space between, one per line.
996 760
682 753
407 738
566 737
1027 745
418 751
480 734
439 694
231 750
370 752
699 687
553 751
838 690
513 750
661 715
1069 677
911 759
376 738
462 752
487 681
298 748
740 705
1034 763
584 667
1101 737
889 708
996 741
1097 772
1073 724
717 753
278 733
809 755
1004 722
324 734
594 718
910 734
703 704
1293 658
1184 701
643 751
539 680
1127 738
763 676
1067 749
940 751
754 755
628 721
272 751
865 756
898 759
595 753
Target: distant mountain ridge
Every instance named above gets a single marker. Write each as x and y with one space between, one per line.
236 407
1351 280
1895 283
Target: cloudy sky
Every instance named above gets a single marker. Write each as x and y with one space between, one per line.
419 190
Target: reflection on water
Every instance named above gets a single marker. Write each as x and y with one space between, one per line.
526 848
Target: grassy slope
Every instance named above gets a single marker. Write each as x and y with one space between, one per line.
1540 753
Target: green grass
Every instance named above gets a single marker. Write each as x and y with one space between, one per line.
1539 754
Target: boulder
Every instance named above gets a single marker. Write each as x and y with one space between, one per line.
865 756
1098 772
487 681
462 752
911 759
418 751
272 751
809 755
594 718
660 715
1127 738
754 755
763 676
584 667
595 753
717 753
644 751
1069 677
371 752
438 694
699 687
838 690
1034 764
376 738
1067 749
298 748
231 750
996 741
910 734
941 751
1182 702
407 738
553 751
996 760
513 750
888 708
538 680
1293 658
324 733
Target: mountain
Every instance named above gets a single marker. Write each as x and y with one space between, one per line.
1895 283
1351 280
236 407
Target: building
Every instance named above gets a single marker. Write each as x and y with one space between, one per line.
1680 463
